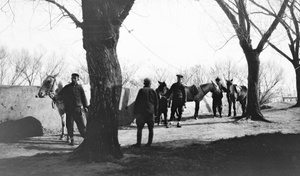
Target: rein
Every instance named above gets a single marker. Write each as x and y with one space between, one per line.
51 89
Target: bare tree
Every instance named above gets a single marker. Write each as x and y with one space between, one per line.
128 72
100 27
195 75
32 68
228 69
270 77
18 62
52 65
239 16
4 64
290 22
163 75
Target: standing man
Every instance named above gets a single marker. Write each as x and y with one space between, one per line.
74 100
217 98
145 109
178 99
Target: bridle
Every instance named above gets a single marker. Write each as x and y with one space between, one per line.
51 87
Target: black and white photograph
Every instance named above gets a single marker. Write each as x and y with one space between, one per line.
149 87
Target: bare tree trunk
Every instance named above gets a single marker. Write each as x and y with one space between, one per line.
297 71
101 23
253 107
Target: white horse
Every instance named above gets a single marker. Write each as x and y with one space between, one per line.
51 87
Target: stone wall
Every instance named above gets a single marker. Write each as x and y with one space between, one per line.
18 102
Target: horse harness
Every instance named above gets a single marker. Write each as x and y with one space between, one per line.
51 90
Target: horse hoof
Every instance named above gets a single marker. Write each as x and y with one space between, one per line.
61 137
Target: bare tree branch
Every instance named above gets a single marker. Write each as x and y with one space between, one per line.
267 35
65 10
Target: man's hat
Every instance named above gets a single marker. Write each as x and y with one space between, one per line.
179 76
75 74
218 79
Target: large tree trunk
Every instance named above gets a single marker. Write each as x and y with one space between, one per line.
101 23
297 71
253 107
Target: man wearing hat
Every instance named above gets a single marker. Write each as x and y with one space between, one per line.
74 100
145 110
217 98
178 99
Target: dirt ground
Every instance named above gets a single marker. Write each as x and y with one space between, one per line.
207 146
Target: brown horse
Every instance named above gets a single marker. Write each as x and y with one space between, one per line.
236 93
196 94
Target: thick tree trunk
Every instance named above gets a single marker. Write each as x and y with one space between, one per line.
297 71
253 107
101 23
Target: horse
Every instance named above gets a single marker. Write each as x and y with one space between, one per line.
51 87
163 102
236 93
196 94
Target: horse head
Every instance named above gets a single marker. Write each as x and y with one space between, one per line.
47 87
162 88
229 83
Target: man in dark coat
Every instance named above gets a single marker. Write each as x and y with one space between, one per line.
178 98
145 110
217 98
74 101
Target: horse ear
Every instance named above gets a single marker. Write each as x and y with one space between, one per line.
231 80
55 75
159 82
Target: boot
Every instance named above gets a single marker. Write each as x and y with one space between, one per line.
72 141
178 125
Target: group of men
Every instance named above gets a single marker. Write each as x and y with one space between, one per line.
145 108
146 104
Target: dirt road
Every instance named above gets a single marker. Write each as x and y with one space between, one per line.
47 155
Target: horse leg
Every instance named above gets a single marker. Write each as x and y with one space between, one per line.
234 108
214 107
63 120
243 103
158 117
220 107
197 104
229 108
62 116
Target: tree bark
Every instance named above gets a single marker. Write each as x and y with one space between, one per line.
297 71
253 107
101 23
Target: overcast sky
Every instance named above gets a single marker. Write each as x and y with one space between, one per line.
163 33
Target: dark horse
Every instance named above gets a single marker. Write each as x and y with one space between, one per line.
196 94
163 102
236 93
